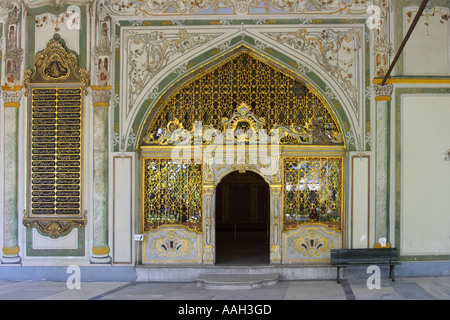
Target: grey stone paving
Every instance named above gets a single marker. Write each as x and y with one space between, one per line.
424 288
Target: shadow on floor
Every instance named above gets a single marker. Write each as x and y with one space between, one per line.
246 248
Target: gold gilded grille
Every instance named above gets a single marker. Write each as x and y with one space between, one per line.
56 151
313 191
172 194
271 94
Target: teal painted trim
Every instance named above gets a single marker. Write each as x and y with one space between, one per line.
79 252
30 46
398 159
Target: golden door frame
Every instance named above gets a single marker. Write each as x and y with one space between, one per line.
203 243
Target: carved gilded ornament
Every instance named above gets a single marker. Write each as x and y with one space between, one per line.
172 245
101 96
54 228
56 65
310 243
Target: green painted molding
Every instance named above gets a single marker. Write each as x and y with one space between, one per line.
79 252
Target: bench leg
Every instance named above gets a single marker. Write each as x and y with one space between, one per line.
391 272
338 276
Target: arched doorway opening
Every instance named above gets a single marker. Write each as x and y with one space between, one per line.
242 219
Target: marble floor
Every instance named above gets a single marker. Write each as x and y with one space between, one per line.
243 251
423 288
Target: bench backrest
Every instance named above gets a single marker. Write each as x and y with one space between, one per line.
364 255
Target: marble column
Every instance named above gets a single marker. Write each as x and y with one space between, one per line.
382 99
11 101
275 223
209 222
100 250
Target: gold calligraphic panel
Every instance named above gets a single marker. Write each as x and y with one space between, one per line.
172 194
313 191
56 157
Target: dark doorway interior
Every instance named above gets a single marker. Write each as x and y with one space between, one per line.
242 219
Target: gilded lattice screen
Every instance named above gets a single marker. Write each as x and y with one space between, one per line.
272 95
172 194
313 191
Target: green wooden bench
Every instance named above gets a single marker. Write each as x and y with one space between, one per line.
354 257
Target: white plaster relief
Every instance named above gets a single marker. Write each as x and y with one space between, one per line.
239 7
48 24
150 52
337 52
429 42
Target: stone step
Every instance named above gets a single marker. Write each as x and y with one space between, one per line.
236 281
190 273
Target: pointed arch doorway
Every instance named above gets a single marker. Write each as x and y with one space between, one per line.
242 219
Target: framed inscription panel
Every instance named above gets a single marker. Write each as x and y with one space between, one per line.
55 159
55 89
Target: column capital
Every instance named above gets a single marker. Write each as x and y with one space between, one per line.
101 96
383 92
11 96
276 188
208 189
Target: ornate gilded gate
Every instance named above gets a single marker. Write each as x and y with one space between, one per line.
242 114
